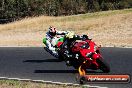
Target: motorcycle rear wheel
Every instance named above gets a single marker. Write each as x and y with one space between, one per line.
81 79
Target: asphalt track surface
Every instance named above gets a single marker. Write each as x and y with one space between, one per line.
37 64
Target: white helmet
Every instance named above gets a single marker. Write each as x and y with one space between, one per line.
70 34
52 31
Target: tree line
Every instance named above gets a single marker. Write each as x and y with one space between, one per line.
16 9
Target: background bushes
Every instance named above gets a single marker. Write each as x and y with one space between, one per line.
17 9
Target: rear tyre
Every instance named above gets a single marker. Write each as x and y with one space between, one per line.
83 80
103 65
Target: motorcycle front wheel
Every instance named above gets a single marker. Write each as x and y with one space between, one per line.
103 65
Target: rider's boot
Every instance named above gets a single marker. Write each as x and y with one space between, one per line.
68 58
68 63
55 54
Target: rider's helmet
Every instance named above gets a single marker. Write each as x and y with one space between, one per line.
52 31
70 34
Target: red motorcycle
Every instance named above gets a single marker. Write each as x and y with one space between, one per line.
86 56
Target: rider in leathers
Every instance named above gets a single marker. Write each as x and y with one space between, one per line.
50 39
69 39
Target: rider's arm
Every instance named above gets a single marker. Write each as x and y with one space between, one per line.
82 37
48 37
61 32
77 37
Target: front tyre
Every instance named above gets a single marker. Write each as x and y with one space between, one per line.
81 79
103 65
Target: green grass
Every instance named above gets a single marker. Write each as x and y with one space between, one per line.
29 84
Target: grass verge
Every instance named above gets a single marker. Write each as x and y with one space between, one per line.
29 84
107 28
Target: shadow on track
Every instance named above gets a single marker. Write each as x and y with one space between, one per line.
62 71
41 61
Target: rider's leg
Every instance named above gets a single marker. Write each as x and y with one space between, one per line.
51 48
48 44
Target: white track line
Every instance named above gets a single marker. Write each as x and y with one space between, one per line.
93 86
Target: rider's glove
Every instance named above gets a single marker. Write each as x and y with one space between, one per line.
85 37
56 49
63 33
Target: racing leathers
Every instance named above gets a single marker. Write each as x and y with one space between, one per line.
68 46
51 41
